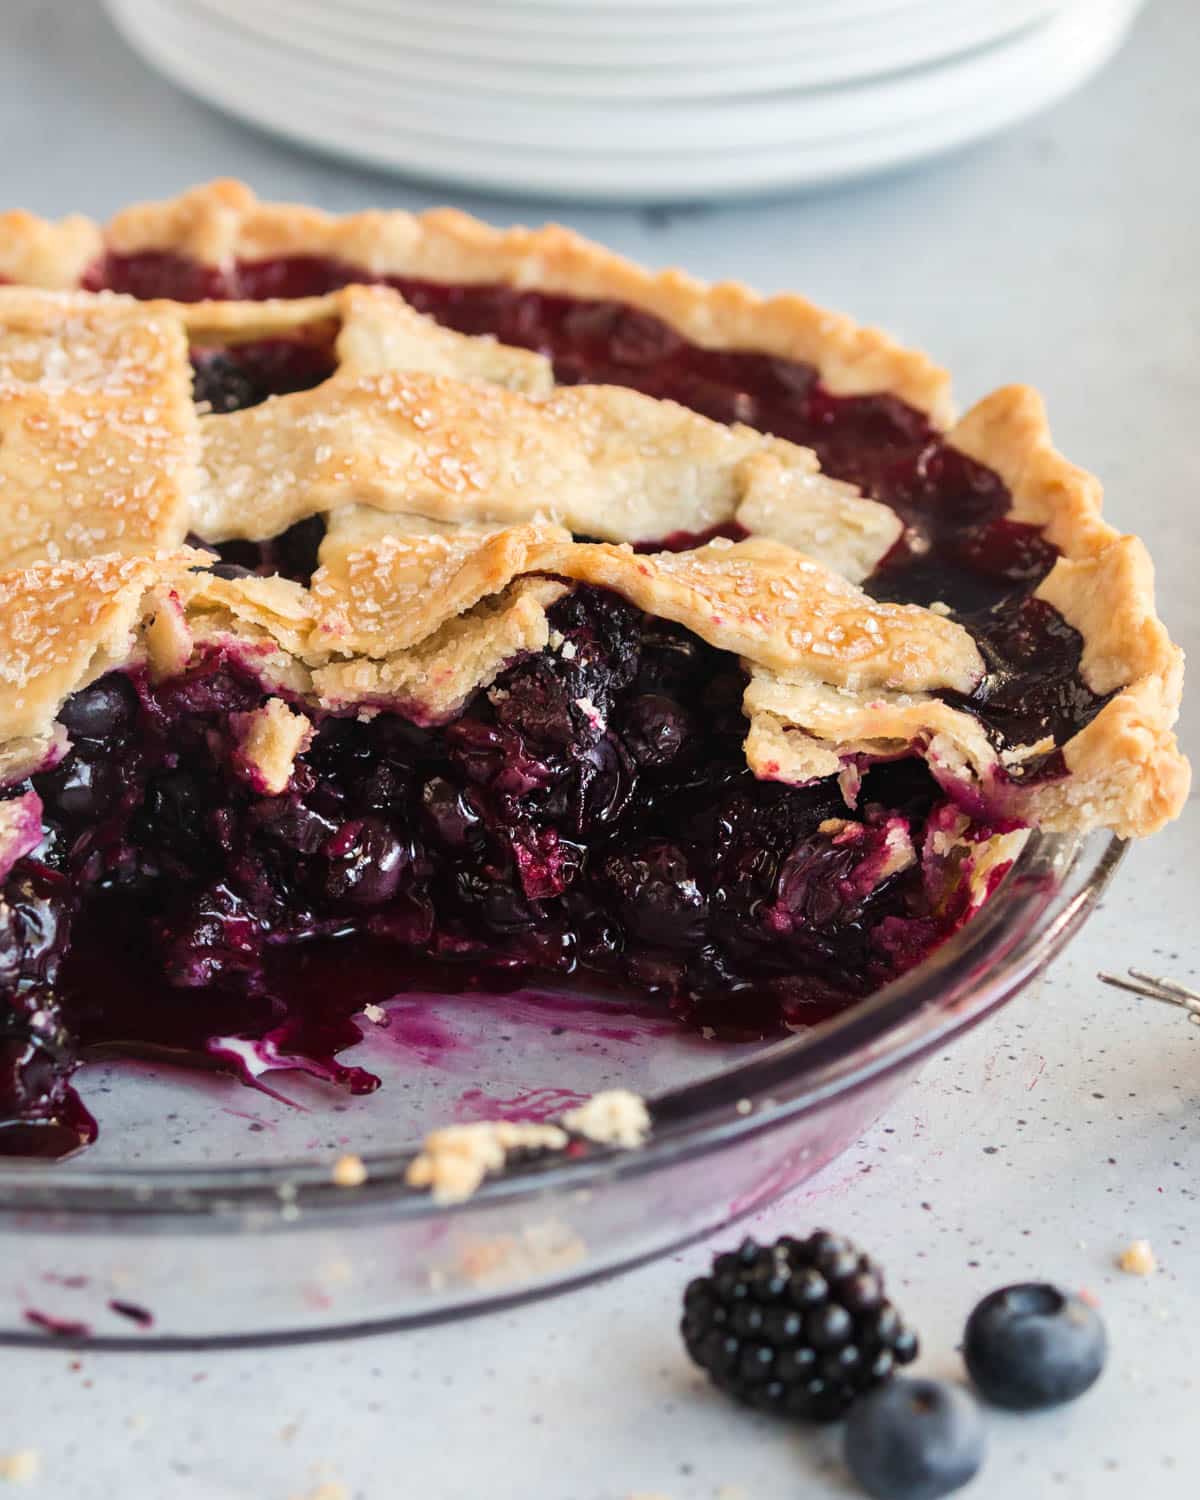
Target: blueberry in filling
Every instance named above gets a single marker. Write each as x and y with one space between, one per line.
233 378
39 1112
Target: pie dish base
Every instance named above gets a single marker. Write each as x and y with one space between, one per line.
239 1235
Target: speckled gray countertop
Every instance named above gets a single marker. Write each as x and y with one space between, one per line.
1065 255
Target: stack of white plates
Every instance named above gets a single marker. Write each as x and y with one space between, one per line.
647 100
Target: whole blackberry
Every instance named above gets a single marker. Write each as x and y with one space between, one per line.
800 1327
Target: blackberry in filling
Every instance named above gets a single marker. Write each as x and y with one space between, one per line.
588 820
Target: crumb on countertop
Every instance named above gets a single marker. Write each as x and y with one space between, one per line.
1138 1259
20 1467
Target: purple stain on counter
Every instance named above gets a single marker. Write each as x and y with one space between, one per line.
587 1017
133 1311
59 1328
255 1123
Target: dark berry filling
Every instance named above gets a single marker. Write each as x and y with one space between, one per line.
293 553
40 1115
236 376
589 820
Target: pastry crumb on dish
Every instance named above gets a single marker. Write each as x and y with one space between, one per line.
615 1117
1138 1258
329 1489
455 1159
533 1253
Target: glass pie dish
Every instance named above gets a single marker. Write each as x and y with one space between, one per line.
223 1224
589 678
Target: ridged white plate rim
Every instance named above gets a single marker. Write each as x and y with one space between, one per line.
659 180
459 25
419 65
720 125
638 15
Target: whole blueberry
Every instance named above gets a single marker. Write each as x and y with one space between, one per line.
914 1440
654 728
81 789
95 712
1034 1345
657 898
452 816
370 871
218 380
290 822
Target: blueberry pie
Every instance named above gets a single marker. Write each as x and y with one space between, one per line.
394 602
